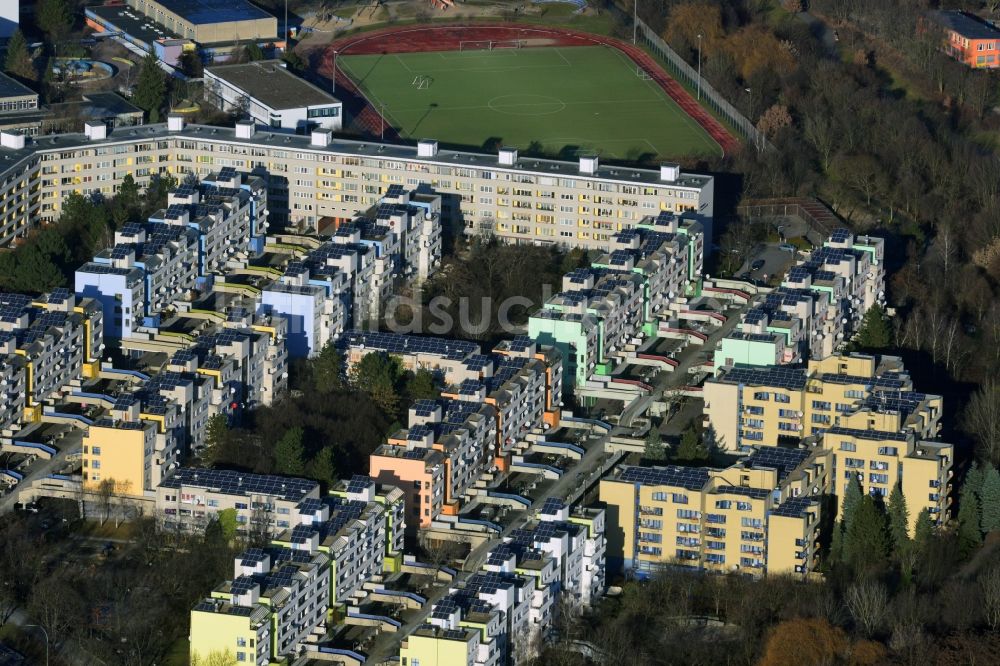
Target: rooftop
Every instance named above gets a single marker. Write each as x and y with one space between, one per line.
240 483
11 88
214 11
271 83
376 151
966 25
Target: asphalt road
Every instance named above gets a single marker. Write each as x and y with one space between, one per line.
71 443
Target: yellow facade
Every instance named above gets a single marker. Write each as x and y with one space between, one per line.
770 406
759 516
222 632
120 454
435 647
881 460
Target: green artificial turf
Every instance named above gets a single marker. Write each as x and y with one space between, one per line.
568 99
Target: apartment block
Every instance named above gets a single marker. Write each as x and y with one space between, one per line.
499 614
760 516
816 310
359 527
450 443
344 282
285 588
312 177
46 344
190 498
205 230
610 306
880 459
772 405
135 446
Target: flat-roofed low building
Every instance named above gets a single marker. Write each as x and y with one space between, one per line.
272 96
190 498
15 97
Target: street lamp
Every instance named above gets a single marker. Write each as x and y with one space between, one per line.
382 124
699 66
46 634
333 77
635 19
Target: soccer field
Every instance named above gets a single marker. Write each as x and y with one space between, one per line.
587 98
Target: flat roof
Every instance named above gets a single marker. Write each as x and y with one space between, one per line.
202 12
271 83
133 23
358 148
971 27
11 88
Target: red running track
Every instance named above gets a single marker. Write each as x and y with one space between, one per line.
449 37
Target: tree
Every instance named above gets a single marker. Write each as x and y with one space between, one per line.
420 386
875 332
216 436
376 374
54 18
254 52
289 453
812 641
865 540
294 62
852 497
214 658
982 419
227 524
990 501
327 368
691 449
989 586
191 64
18 62
151 88
655 450
322 468
899 519
774 119
105 492
970 521
924 531
868 602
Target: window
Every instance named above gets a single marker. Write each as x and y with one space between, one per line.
762 395
95 464
679 499
755 410
821 405
723 504
241 642
241 505
887 451
854 463
878 478
96 451
848 446
782 398
716 518
241 656
688 514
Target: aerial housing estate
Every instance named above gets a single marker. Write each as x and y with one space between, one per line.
322 552
604 311
501 613
817 308
311 177
490 403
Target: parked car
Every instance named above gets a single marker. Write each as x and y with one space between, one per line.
788 247
757 265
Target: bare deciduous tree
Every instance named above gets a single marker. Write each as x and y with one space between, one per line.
867 602
989 585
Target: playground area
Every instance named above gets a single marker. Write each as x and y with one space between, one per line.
557 100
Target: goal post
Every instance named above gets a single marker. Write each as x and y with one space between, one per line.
475 45
489 44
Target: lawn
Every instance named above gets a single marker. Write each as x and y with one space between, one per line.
588 98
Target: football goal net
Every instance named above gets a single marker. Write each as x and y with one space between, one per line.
489 44
422 82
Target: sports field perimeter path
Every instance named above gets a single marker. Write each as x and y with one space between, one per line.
411 39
